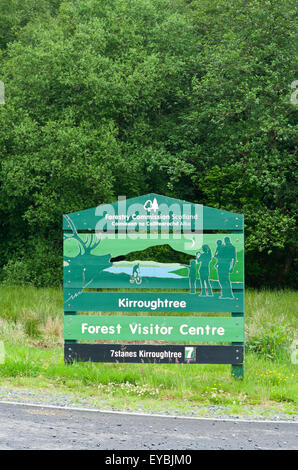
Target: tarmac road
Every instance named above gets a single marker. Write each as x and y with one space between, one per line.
50 428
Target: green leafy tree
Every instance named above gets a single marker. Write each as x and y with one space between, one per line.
185 98
244 126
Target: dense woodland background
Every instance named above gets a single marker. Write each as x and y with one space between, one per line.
191 99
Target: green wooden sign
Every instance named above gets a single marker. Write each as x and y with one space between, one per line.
88 255
146 302
105 270
140 328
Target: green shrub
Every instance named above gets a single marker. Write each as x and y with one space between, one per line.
32 324
272 342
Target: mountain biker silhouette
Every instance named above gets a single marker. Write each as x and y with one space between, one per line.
135 277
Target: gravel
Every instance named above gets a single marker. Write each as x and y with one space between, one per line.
68 400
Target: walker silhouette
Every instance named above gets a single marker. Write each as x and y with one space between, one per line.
204 260
226 260
192 275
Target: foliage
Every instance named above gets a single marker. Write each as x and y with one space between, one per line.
271 343
185 98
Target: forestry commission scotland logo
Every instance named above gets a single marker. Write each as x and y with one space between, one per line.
190 353
151 205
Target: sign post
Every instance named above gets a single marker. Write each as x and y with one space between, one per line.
150 311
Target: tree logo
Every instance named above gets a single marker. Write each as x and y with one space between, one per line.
151 205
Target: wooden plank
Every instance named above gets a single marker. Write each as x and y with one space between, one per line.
71 314
80 247
238 369
159 354
218 259
141 328
134 214
77 300
89 278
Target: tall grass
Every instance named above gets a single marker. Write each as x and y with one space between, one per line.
37 312
275 306
16 302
